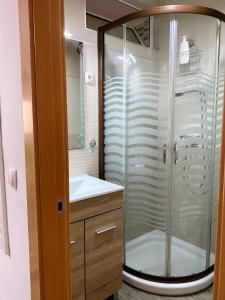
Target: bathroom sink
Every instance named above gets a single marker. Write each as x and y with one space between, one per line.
75 186
85 186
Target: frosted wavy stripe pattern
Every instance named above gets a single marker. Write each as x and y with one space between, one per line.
194 136
218 146
114 140
134 135
146 178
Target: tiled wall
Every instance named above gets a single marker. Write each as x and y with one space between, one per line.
91 95
85 161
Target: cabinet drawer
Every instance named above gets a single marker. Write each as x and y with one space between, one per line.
77 260
87 208
103 254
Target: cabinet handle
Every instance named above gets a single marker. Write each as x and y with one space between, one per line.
100 231
72 242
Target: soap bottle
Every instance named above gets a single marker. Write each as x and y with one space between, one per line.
184 51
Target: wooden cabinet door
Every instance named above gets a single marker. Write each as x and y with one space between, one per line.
103 254
77 260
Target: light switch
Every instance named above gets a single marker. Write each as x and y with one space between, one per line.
89 78
12 179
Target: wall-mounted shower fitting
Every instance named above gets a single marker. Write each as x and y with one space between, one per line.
92 145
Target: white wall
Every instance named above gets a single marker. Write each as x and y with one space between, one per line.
75 20
14 269
84 161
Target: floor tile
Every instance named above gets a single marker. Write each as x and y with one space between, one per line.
130 293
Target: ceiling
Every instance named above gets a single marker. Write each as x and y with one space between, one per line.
114 9
108 9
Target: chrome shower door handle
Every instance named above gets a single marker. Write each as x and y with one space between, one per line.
176 154
164 153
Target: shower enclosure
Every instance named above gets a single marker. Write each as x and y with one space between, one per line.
161 84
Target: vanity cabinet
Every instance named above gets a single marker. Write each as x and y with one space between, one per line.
96 231
77 260
103 254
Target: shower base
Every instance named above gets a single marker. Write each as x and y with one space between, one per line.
146 254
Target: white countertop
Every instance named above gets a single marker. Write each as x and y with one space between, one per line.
85 186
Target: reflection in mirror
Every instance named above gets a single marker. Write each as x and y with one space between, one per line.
75 93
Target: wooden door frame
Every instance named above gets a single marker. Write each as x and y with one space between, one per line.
219 281
41 25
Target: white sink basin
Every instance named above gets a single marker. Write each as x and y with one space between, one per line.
85 186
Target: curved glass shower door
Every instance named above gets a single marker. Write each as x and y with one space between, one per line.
162 127
193 143
136 135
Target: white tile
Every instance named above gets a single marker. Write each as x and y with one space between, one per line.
90 91
91 133
91 110
83 162
91 65
90 58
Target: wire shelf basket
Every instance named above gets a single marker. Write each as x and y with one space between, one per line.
189 61
188 81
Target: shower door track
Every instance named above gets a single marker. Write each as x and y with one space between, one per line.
165 279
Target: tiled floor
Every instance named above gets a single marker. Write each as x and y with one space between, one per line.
129 293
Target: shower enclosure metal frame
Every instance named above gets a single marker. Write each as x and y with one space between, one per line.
161 10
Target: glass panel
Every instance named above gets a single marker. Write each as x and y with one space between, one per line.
163 108
217 145
94 23
114 111
194 116
146 175
114 108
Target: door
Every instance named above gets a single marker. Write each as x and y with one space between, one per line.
103 248
195 145
77 260
45 129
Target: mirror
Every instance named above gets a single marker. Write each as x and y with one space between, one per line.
75 94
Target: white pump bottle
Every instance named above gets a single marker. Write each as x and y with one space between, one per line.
184 51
